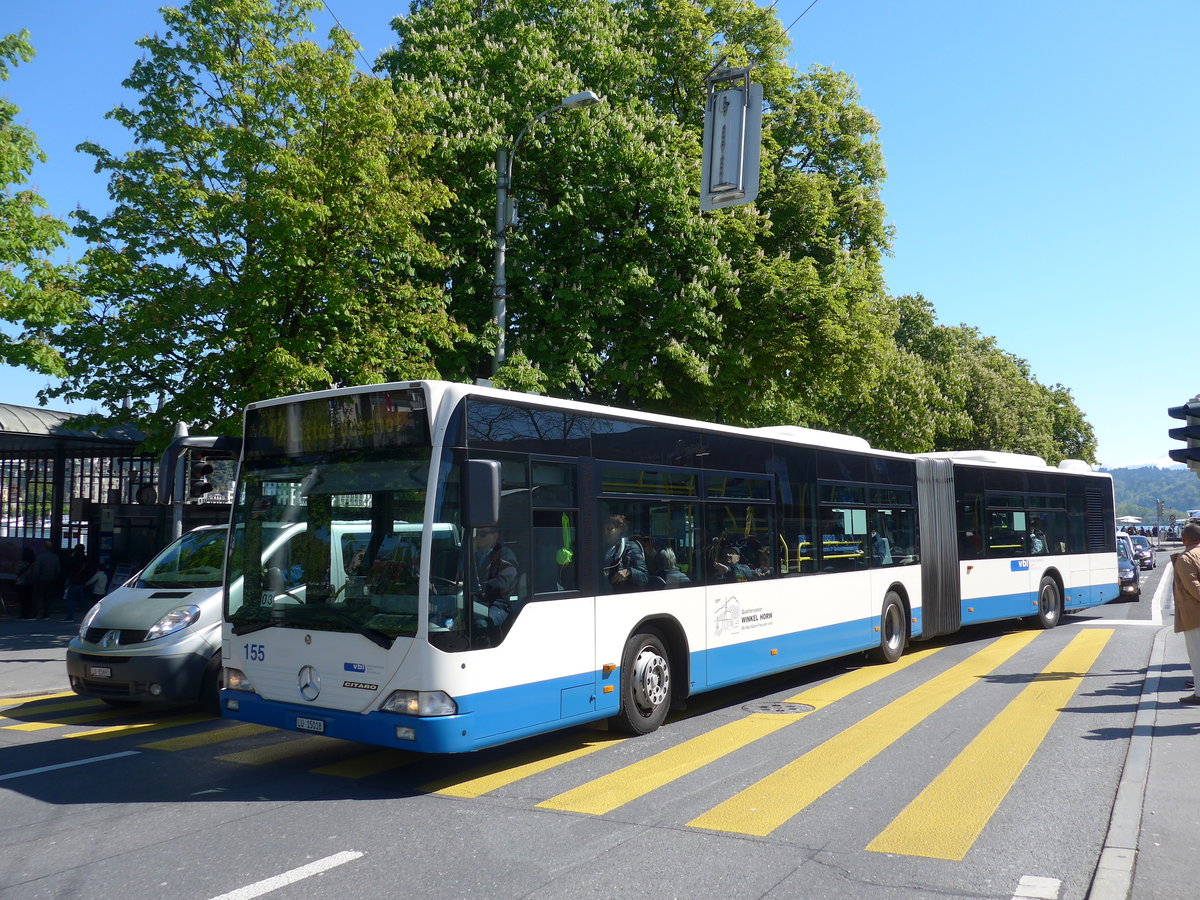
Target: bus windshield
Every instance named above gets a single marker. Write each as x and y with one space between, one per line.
344 481
351 558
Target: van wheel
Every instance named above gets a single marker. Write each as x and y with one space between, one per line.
893 630
645 684
210 686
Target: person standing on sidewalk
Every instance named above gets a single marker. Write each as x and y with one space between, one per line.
1187 602
77 575
47 580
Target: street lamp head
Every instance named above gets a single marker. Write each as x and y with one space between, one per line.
580 100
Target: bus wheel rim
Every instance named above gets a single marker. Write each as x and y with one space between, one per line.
892 626
651 679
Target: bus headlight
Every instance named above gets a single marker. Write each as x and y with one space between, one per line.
236 680
420 703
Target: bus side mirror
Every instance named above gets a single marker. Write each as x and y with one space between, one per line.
483 493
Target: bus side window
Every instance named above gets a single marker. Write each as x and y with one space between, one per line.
553 563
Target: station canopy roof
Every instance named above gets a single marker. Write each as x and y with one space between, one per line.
32 431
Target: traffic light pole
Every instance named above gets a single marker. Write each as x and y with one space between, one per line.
178 495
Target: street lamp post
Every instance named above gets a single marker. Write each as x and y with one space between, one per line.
504 167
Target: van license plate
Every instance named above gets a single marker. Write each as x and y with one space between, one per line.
100 671
317 726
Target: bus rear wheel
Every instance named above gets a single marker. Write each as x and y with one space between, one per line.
645 684
1049 603
893 633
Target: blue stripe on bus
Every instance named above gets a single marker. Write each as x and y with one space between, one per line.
495 717
1003 606
750 659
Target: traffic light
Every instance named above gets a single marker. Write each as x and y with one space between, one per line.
198 472
1189 412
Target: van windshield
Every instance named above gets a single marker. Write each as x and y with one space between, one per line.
192 561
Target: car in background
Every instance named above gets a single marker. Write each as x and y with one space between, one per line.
1143 551
1128 580
1126 541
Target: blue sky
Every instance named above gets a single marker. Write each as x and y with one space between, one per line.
1040 156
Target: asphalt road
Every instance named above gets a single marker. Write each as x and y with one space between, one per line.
984 765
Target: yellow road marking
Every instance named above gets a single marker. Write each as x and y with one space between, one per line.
481 780
83 719
261 756
638 779
207 738
369 764
18 701
767 804
947 817
116 731
41 708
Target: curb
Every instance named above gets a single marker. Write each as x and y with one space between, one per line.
1113 878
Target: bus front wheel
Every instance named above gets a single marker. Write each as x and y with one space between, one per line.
1049 603
645 684
893 632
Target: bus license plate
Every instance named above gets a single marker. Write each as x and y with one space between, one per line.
316 726
100 671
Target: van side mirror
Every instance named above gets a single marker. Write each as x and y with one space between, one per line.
483 493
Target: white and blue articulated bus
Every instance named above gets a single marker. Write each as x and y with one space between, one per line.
469 566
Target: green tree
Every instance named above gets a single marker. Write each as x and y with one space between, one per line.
36 293
620 291
1074 437
986 398
265 230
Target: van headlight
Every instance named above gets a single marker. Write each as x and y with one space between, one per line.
175 620
420 703
88 619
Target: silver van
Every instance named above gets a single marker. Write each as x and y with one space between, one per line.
158 636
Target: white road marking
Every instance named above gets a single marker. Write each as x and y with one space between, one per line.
291 877
1163 600
67 765
1034 887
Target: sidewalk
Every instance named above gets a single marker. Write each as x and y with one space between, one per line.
33 654
1154 833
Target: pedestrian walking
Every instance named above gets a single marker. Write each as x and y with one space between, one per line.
47 580
1187 602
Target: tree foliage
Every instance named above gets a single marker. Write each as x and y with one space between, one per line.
36 293
620 290
285 224
264 237
978 396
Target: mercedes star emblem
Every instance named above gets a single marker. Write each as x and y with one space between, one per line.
310 683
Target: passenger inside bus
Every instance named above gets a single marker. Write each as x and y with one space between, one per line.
1037 539
881 549
495 574
624 562
728 565
665 571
